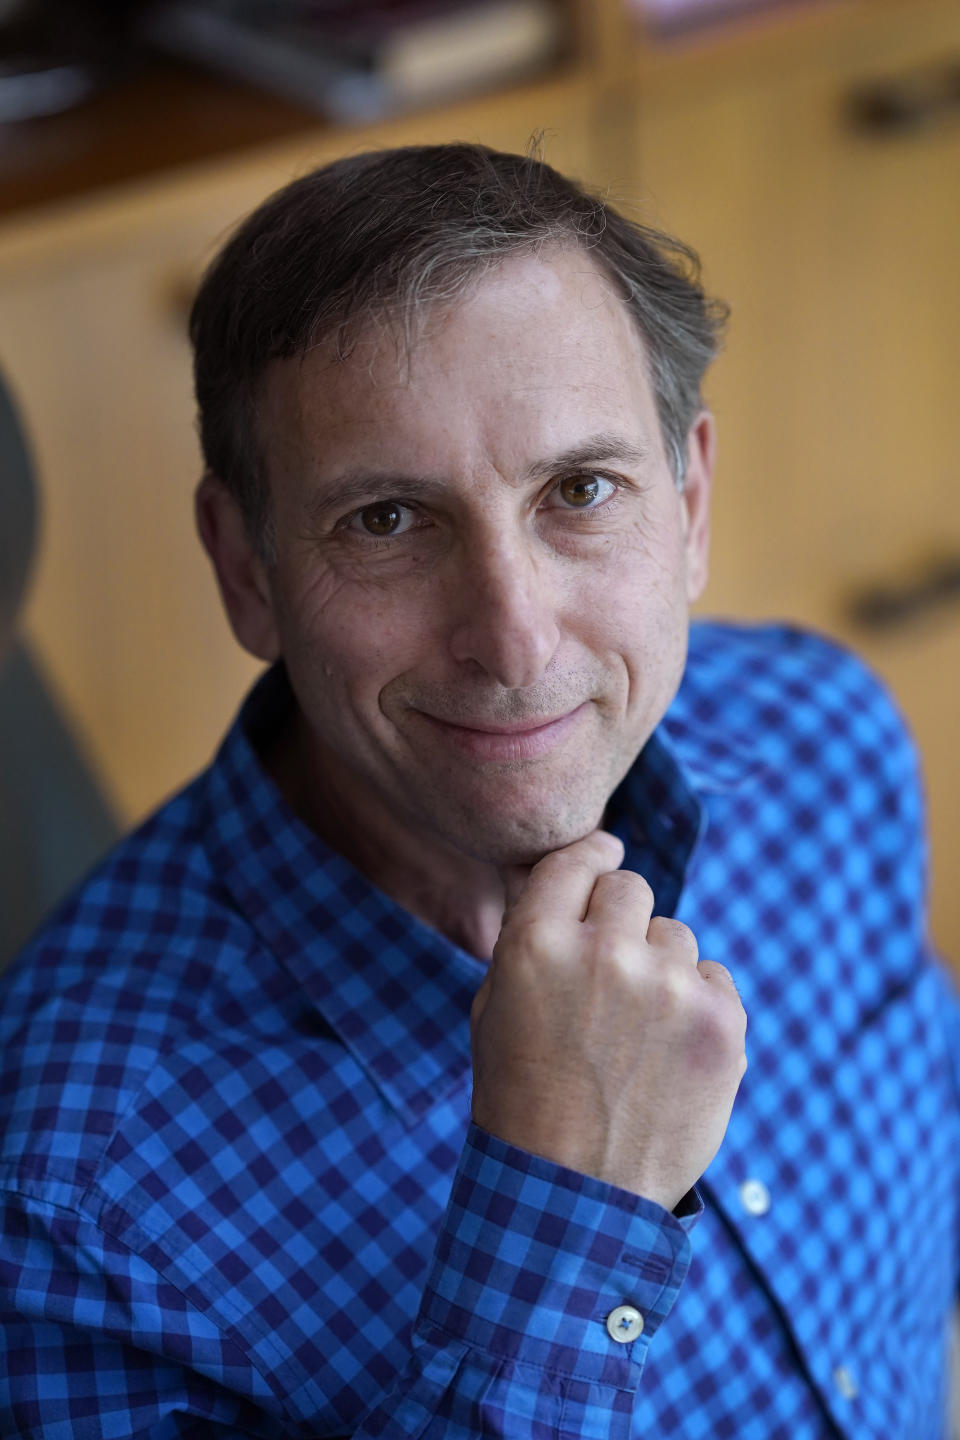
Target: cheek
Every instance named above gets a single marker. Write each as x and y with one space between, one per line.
642 577
637 610
354 634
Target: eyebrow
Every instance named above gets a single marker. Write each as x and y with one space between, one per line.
354 486
605 445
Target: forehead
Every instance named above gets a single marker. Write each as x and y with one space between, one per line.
536 344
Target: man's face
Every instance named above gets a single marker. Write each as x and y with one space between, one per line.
483 563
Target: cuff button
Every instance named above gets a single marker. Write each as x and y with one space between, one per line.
624 1324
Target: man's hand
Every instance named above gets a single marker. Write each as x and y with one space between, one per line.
599 1040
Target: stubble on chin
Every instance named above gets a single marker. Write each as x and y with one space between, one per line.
503 824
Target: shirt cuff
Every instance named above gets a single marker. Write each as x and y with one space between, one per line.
532 1258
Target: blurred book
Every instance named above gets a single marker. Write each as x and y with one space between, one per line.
55 53
353 61
670 16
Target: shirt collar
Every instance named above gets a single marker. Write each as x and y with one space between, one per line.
398 993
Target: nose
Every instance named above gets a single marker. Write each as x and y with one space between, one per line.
505 613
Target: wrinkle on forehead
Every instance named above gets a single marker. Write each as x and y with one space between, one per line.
561 312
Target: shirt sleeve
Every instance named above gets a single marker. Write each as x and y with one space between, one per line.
511 1339
532 1261
95 1345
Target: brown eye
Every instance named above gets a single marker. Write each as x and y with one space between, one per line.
580 490
381 519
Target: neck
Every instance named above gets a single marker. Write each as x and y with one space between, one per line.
455 894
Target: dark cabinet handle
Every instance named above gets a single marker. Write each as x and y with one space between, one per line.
903 104
886 607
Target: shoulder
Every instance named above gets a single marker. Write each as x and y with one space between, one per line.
821 836
145 897
831 754
113 982
793 694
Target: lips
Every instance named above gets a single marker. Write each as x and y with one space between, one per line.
519 727
517 740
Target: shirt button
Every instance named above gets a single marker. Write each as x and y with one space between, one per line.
845 1383
754 1197
624 1324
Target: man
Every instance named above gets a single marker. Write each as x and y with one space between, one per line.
362 1091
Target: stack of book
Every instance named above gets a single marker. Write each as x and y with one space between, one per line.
359 60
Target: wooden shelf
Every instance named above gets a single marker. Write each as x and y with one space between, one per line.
159 115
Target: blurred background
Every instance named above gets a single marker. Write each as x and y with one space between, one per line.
810 149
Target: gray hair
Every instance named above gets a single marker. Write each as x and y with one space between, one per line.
388 234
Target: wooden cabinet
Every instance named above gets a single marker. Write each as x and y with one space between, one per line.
832 229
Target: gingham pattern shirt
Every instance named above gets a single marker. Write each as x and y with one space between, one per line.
241 1194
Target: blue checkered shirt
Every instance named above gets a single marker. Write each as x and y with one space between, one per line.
242 1195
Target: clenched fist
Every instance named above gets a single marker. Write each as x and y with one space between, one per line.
599 1040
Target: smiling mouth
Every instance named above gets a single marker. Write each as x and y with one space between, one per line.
519 727
517 740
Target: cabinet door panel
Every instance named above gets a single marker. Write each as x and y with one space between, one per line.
123 610
836 246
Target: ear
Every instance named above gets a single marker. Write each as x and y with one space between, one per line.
241 574
697 486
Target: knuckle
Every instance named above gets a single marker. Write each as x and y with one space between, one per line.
519 927
626 885
667 993
639 884
672 934
719 979
710 1044
618 954
525 941
718 1030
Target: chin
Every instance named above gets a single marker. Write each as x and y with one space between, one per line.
523 841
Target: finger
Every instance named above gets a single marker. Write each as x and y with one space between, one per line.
560 885
716 974
622 900
672 936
